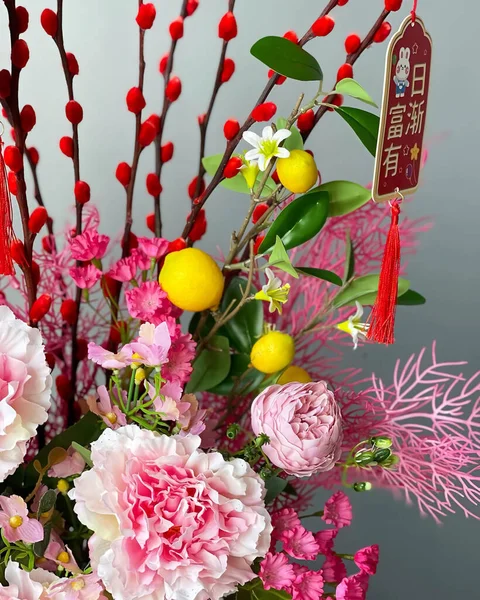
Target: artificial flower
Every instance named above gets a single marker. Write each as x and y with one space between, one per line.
153 247
60 554
152 345
353 588
107 359
24 585
300 543
249 171
25 388
124 269
173 406
89 245
72 464
308 585
366 559
304 426
276 572
338 510
168 518
111 415
273 292
148 302
333 568
354 327
283 520
85 277
325 540
266 147
141 260
16 524
80 587
180 355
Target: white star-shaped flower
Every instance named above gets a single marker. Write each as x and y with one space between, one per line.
267 146
354 327
273 292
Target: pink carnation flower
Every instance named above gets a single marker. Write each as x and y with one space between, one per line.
152 345
147 302
284 520
15 522
124 269
325 540
300 543
25 389
366 559
353 588
334 570
112 416
276 572
107 359
304 425
72 464
338 510
89 245
168 518
141 260
180 355
85 277
153 247
308 585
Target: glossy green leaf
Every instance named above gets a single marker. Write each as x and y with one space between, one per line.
298 222
364 124
84 453
280 259
274 486
47 502
39 548
295 141
349 259
238 367
211 366
411 298
320 274
345 196
287 58
271 594
247 325
364 290
350 87
237 183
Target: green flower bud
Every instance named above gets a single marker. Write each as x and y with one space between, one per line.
261 439
232 431
381 442
391 461
382 455
364 457
362 486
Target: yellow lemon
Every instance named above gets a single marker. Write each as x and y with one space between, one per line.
298 173
272 352
192 280
294 373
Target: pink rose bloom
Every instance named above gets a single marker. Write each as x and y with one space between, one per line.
308 585
25 389
152 345
142 261
72 464
89 245
107 359
15 522
169 520
153 247
333 568
147 302
366 559
353 588
276 572
300 543
85 277
23 585
124 269
338 510
111 414
325 540
284 520
304 424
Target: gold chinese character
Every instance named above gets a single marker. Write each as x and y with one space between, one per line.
395 129
391 160
418 81
416 117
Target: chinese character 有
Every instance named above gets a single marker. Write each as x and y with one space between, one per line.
391 160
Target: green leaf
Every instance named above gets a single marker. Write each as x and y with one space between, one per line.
274 486
345 197
295 141
247 325
350 87
280 259
320 274
237 183
298 222
271 594
364 124
47 502
211 366
349 259
39 548
239 366
411 298
287 58
84 453
254 590
364 290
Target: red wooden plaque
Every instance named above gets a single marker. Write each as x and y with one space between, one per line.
404 110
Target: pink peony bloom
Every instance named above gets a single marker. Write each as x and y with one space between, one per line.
308 585
109 360
304 424
153 247
25 585
15 522
124 269
147 302
325 540
300 543
353 588
142 261
168 518
284 520
338 510
112 416
333 568
180 355
73 464
366 559
276 572
89 245
152 345
25 389
85 277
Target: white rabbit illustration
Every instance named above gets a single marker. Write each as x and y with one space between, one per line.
402 71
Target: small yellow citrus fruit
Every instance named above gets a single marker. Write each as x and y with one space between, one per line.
298 173
192 280
294 374
272 352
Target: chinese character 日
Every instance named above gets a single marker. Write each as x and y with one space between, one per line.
402 71
391 160
418 80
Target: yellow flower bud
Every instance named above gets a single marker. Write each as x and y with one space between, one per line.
112 417
63 486
63 557
140 375
15 521
136 364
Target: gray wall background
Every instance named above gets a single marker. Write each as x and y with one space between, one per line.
418 558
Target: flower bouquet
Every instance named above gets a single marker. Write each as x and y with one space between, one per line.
167 415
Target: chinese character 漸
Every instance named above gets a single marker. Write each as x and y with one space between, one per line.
418 79
416 117
395 129
391 160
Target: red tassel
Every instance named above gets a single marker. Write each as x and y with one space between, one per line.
382 319
6 228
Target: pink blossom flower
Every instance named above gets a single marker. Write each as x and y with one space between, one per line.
325 540
174 407
147 302
85 277
15 522
25 389
89 245
300 543
24 585
124 269
276 572
284 520
141 259
180 355
304 425
72 464
153 247
57 552
174 519
112 416
366 559
353 588
308 585
338 510
333 568
152 345
109 360
81 587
